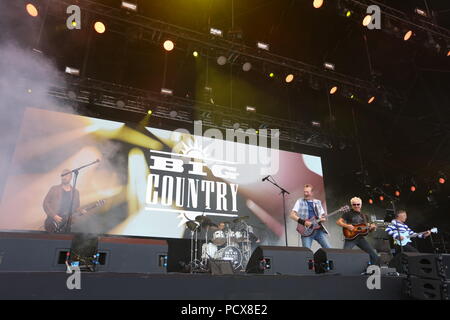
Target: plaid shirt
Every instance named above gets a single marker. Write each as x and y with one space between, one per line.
301 207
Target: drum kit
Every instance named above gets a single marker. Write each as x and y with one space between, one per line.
226 241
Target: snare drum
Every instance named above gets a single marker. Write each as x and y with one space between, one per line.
219 238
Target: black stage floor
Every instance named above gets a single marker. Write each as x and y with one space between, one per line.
180 286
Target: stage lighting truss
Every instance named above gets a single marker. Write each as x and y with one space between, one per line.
236 53
90 92
397 23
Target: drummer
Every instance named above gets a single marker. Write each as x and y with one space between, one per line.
220 227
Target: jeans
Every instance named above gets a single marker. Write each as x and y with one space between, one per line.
362 243
406 248
320 236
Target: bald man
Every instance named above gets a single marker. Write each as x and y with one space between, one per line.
58 200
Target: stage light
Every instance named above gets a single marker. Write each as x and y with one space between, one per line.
329 66
315 124
421 12
221 60
441 180
246 66
366 21
129 5
263 46
397 193
448 53
381 198
413 188
236 125
289 78
250 109
370 201
195 54
166 92
32 10
348 13
216 32
168 45
317 3
271 74
149 112
99 27
72 71
371 99
408 35
333 90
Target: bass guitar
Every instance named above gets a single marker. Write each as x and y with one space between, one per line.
316 224
52 226
407 237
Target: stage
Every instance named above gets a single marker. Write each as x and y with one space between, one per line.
178 286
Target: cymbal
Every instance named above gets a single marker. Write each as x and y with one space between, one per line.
201 218
192 225
240 219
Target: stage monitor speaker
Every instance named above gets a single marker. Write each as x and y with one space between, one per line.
281 260
221 267
424 265
427 289
341 261
133 255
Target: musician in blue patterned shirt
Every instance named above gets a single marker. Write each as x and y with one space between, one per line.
398 225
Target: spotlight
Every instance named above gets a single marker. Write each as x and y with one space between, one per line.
370 201
149 112
408 35
448 53
366 21
72 71
195 54
371 99
329 66
246 66
317 3
32 10
397 193
221 60
166 92
263 46
348 13
421 12
271 74
315 124
250 109
129 6
216 32
381 198
99 27
289 78
442 178
333 90
412 188
168 45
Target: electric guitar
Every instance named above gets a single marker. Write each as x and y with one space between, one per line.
316 224
52 226
407 237
361 229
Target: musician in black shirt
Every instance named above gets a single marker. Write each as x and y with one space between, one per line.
354 217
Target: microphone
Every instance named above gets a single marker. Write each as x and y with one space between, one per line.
264 179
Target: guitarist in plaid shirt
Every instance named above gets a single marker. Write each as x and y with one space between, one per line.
305 209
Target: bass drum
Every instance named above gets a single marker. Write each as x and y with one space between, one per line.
232 254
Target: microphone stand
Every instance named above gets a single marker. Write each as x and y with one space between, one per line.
283 193
75 172
392 200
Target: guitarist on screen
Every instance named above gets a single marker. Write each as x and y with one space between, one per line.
354 217
57 201
398 225
306 209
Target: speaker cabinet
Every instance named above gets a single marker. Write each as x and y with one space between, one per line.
341 261
281 260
